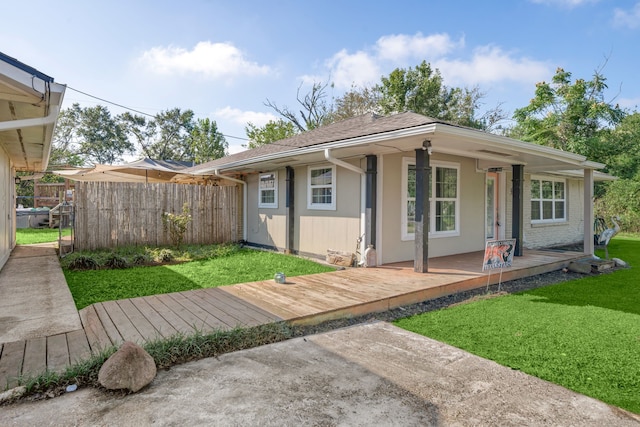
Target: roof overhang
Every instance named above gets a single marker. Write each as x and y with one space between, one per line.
489 151
29 106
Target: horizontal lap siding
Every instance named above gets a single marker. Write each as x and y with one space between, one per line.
112 214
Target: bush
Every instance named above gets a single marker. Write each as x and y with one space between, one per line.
621 199
115 261
83 262
177 224
165 255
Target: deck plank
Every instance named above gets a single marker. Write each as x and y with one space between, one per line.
35 357
96 335
162 326
246 313
123 324
176 321
57 353
108 325
200 299
239 304
193 321
210 321
78 343
11 363
137 319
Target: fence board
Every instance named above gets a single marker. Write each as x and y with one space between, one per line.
112 214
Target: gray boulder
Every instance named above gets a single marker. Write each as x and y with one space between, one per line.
131 367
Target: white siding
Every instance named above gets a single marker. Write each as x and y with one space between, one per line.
7 216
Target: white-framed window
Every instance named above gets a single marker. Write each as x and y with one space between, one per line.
444 207
321 187
268 190
548 199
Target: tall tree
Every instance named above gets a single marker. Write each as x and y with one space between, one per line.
355 102
422 91
65 139
568 115
101 138
165 137
274 130
206 142
314 112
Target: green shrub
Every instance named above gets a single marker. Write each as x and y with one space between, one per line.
115 261
165 255
83 262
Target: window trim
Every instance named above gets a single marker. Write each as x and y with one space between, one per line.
553 220
405 236
321 206
273 205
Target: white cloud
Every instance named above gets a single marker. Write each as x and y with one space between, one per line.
570 4
358 69
630 19
213 60
241 117
490 64
399 47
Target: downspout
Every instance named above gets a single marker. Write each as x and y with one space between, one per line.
363 184
245 199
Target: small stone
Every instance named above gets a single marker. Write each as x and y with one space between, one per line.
620 263
72 387
580 267
131 367
13 393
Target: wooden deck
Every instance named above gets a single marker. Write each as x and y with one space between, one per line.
302 300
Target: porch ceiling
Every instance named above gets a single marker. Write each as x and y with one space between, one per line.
29 106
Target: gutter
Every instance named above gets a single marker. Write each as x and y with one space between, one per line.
245 199
338 162
28 123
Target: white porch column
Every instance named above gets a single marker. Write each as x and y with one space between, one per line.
588 211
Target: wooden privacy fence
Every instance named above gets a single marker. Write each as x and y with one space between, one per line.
112 214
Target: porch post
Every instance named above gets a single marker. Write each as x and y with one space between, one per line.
421 229
371 201
290 205
517 207
588 212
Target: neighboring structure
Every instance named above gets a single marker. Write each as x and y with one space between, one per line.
29 106
368 177
144 170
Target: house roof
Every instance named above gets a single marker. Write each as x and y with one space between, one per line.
372 134
29 106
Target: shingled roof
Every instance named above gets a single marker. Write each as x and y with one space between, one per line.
365 125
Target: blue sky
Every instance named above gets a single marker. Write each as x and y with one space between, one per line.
224 59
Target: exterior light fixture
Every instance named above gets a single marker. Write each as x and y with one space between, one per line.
17 180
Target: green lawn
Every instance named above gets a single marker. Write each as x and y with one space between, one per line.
29 236
583 334
242 265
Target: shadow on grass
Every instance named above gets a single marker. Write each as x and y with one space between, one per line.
618 290
88 287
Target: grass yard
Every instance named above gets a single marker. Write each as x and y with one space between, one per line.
30 236
583 334
235 266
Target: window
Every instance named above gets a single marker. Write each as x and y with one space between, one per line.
322 188
443 208
268 190
548 200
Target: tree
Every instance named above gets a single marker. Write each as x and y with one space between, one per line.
314 113
274 130
567 116
206 142
355 102
64 141
101 138
165 137
422 91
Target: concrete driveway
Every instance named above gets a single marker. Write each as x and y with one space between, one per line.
372 374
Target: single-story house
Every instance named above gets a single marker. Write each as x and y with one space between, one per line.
29 107
412 186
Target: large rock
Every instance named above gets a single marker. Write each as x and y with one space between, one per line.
131 367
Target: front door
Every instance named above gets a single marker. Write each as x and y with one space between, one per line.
493 207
